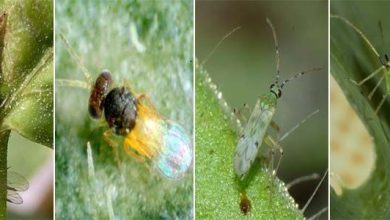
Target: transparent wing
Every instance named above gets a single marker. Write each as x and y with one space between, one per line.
14 197
16 182
176 153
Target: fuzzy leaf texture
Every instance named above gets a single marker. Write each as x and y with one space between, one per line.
352 59
27 78
217 187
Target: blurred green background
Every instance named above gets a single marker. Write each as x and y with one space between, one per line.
148 45
243 68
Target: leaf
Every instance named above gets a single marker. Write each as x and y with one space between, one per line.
29 34
352 59
27 70
217 187
32 112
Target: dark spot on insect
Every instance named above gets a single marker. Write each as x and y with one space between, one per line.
257 143
98 93
120 110
242 136
245 203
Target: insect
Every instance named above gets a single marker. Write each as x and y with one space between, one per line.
260 120
384 61
15 183
147 134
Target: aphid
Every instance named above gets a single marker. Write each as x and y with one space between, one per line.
254 132
15 183
147 134
384 61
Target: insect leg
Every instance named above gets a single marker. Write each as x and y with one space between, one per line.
107 137
315 191
381 103
72 83
129 150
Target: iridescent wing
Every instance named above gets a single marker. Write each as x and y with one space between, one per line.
175 157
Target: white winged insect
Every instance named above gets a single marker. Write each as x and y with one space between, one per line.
15 183
254 132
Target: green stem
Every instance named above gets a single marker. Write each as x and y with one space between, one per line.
4 135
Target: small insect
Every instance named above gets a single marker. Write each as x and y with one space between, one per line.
254 132
147 134
384 61
15 183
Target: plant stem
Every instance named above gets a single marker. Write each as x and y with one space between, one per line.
4 135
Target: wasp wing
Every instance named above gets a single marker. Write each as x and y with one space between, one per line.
16 182
14 197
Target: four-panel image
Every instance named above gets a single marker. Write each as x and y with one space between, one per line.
194 109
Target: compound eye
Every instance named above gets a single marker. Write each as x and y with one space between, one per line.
272 86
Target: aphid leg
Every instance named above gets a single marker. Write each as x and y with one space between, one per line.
273 146
318 214
381 102
302 179
107 138
315 191
275 126
239 115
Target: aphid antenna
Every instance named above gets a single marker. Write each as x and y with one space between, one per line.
77 59
302 179
358 31
315 191
218 44
297 75
277 58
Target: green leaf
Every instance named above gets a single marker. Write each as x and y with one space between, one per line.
32 111
352 59
217 187
29 34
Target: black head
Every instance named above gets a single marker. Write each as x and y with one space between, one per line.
276 90
120 110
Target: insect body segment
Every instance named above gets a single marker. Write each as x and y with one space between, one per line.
120 110
254 132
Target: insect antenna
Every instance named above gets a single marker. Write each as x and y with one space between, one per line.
383 62
358 31
77 59
315 191
297 75
218 44
276 50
